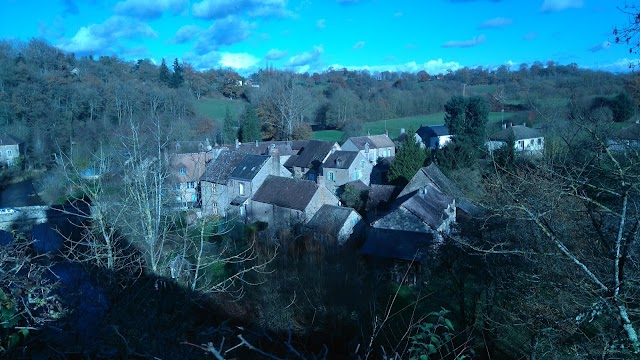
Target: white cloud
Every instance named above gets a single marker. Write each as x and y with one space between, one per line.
243 63
227 31
217 9
432 67
358 45
276 54
149 9
605 45
239 61
306 58
106 37
498 22
559 5
320 24
620 65
465 43
186 34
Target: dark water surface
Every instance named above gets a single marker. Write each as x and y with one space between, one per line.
19 194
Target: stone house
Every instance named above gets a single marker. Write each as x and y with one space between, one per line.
282 201
307 164
9 150
336 225
371 147
215 195
414 228
342 167
186 171
528 141
247 176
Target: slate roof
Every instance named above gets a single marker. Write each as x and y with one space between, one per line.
6 139
330 219
432 175
219 169
184 147
285 192
290 161
249 166
264 147
375 141
358 184
346 159
429 205
519 132
428 132
313 154
382 196
629 133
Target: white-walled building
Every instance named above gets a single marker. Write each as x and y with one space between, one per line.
527 141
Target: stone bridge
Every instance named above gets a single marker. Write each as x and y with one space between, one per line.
27 216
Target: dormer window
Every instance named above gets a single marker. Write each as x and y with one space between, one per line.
183 171
339 162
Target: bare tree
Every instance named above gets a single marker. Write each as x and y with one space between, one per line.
95 204
145 200
582 206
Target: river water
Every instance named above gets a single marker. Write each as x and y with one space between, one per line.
20 194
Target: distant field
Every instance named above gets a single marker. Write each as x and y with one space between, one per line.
327 135
394 125
216 108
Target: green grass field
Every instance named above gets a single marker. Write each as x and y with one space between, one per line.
394 125
216 108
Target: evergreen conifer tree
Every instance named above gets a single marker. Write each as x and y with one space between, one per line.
409 159
250 130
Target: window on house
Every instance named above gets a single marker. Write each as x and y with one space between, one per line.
183 171
531 142
194 197
214 188
177 186
215 208
9 153
539 141
191 185
361 164
331 176
355 175
241 188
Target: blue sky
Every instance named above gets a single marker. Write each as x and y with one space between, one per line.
312 35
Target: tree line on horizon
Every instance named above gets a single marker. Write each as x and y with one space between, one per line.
55 101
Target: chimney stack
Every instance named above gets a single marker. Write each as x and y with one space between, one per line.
275 160
402 131
320 181
237 143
